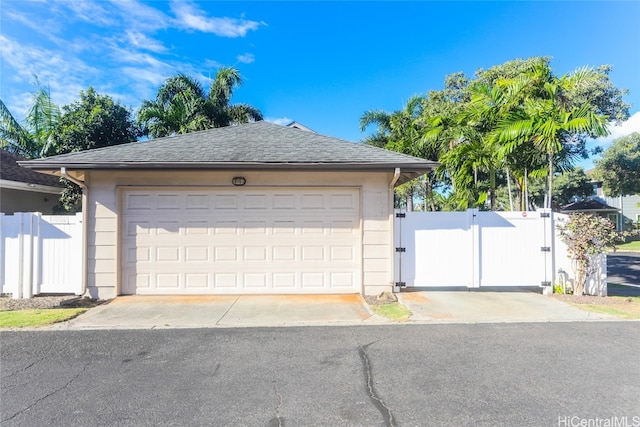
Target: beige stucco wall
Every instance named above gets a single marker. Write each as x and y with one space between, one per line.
12 200
103 207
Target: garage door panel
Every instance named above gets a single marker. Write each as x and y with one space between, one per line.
225 280
229 253
226 201
342 280
168 280
196 280
284 281
283 253
168 201
197 253
197 202
276 241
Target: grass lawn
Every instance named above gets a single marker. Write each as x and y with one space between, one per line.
622 307
37 317
631 246
394 311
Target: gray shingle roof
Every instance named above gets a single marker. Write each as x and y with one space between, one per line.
10 171
589 205
260 145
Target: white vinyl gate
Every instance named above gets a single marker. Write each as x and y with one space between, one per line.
474 249
40 254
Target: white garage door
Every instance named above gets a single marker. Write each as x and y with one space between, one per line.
241 241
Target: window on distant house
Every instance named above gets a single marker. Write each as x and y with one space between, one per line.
613 218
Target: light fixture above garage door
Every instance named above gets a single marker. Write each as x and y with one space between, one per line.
238 181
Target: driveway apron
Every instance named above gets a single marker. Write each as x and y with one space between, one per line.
489 306
427 305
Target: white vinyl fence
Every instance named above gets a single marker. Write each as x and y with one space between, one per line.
475 249
40 254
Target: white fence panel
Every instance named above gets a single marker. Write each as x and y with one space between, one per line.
596 283
510 249
437 249
40 254
61 249
474 249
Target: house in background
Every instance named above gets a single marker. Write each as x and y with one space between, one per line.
628 215
24 190
592 206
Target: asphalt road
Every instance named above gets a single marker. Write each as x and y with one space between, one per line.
533 374
624 268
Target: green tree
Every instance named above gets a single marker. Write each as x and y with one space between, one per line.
619 166
32 138
569 185
540 114
511 123
398 131
92 122
182 105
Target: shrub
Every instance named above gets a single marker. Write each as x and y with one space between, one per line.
585 236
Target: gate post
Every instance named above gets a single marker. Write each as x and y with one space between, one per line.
474 229
548 224
398 283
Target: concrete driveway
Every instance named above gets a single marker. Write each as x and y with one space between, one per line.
490 305
161 312
427 306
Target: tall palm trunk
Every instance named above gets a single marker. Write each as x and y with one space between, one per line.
492 189
550 182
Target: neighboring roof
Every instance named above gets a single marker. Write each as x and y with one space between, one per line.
258 146
11 171
300 126
589 205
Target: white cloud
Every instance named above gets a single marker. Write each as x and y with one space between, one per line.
246 58
112 45
282 121
191 17
211 63
142 17
631 125
141 41
62 72
46 27
92 12
144 75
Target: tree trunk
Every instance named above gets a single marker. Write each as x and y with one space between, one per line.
428 194
492 190
509 190
409 200
550 182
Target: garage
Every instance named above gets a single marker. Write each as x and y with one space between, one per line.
255 208
247 241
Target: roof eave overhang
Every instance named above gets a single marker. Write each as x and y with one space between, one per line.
409 171
25 186
569 211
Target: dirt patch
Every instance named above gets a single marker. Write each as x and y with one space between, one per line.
40 302
383 298
623 307
592 299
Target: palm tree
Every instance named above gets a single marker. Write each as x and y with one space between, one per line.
182 105
398 131
540 115
33 138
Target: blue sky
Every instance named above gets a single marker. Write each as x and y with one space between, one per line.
319 63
